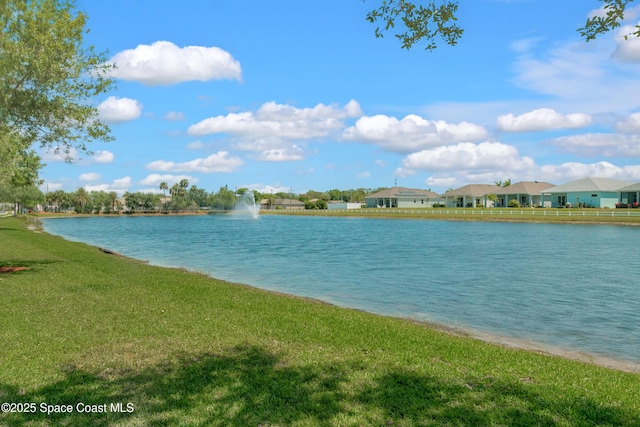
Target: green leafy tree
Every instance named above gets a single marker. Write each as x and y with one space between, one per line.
321 204
428 22
100 201
359 194
224 199
113 199
311 194
47 75
49 202
433 21
197 196
81 198
23 196
141 202
150 202
131 201
178 193
335 194
614 13
58 200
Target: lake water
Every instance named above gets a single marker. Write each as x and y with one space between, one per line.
574 287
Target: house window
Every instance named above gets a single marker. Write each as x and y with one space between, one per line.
594 195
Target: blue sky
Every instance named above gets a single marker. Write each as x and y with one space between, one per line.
296 95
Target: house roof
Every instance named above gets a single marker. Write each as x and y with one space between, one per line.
475 190
402 192
589 184
292 202
632 187
524 187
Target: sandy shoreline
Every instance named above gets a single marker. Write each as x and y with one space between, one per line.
548 349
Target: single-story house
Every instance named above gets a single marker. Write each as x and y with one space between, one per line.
401 197
630 195
268 204
469 196
527 193
586 192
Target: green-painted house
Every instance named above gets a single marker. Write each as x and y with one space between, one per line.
586 192
629 196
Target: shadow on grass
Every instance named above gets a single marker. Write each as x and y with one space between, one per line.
248 385
420 400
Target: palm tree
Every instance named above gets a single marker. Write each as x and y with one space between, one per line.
182 192
50 199
81 197
177 195
164 186
113 197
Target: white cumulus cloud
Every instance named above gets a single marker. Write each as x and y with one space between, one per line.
58 154
155 179
411 133
279 120
195 145
102 156
469 157
266 189
600 144
570 171
215 163
174 116
627 49
630 124
119 185
542 119
288 154
581 76
271 130
90 176
118 110
164 63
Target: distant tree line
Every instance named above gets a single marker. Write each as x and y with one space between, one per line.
177 198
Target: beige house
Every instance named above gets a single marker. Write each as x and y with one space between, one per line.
401 197
527 193
469 196
288 204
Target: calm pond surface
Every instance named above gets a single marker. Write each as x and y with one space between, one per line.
573 287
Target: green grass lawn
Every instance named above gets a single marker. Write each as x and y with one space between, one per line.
81 327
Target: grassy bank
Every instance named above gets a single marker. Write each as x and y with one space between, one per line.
80 327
